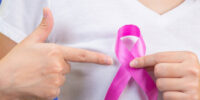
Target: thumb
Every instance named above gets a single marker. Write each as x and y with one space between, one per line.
43 30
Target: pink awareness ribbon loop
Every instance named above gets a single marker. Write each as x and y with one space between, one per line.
125 72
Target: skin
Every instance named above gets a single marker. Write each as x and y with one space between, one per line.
161 6
6 44
37 69
177 73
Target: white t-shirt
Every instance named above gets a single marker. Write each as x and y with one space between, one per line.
93 25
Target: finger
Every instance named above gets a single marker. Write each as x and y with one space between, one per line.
67 68
56 80
163 57
43 30
175 95
81 55
169 70
170 84
63 67
53 93
57 65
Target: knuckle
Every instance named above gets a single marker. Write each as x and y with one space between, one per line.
191 55
59 80
158 56
194 71
83 56
54 50
58 68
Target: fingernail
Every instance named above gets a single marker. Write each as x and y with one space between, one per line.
45 15
134 63
109 61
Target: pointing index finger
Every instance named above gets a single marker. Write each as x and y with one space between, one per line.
81 55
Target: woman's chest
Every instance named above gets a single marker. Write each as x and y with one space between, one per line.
95 24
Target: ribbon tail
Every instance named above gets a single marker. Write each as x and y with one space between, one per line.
118 84
145 81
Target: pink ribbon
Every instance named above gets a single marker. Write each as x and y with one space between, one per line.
125 72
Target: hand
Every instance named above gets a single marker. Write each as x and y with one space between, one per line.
35 68
177 73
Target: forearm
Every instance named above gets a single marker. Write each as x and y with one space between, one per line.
6 45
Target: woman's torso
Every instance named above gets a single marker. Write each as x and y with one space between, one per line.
93 25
